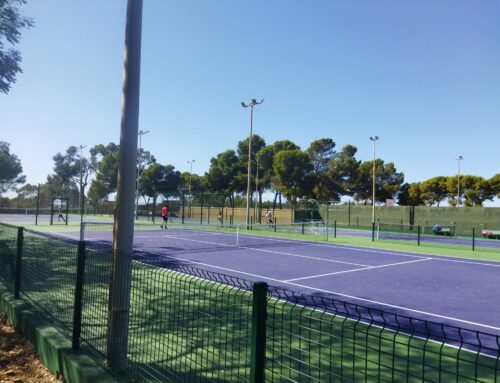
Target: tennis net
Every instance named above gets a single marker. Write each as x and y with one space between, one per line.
187 235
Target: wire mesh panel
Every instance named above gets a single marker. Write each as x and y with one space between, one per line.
95 302
397 231
187 329
314 339
8 250
48 276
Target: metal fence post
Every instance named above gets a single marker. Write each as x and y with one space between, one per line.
201 209
335 229
418 235
473 239
37 204
373 231
348 213
78 302
258 344
19 256
183 205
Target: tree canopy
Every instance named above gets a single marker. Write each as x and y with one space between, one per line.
10 169
11 24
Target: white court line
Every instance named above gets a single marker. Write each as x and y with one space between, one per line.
362 269
402 253
271 251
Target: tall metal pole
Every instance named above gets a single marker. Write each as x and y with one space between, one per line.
81 183
189 186
251 104
256 209
123 229
249 168
140 134
374 139
460 158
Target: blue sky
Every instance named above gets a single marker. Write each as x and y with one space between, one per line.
424 76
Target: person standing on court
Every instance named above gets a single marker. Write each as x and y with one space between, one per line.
164 215
269 217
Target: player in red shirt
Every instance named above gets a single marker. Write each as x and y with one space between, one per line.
164 215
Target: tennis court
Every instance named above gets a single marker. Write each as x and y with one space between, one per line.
455 291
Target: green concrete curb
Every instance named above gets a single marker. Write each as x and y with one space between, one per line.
53 348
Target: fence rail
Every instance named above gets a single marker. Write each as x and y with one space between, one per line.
193 325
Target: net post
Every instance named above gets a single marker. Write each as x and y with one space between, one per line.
77 307
473 239
19 256
418 235
258 342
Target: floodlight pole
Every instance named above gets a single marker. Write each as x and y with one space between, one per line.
123 228
189 186
250 105
81 182
460 158
374 139
256 189
140 134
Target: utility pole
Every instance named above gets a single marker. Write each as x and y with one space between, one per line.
250 105
123 228
374 139
140 134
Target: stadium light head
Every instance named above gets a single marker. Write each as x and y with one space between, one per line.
244 105
374 138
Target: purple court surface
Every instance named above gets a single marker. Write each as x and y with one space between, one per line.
455 291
